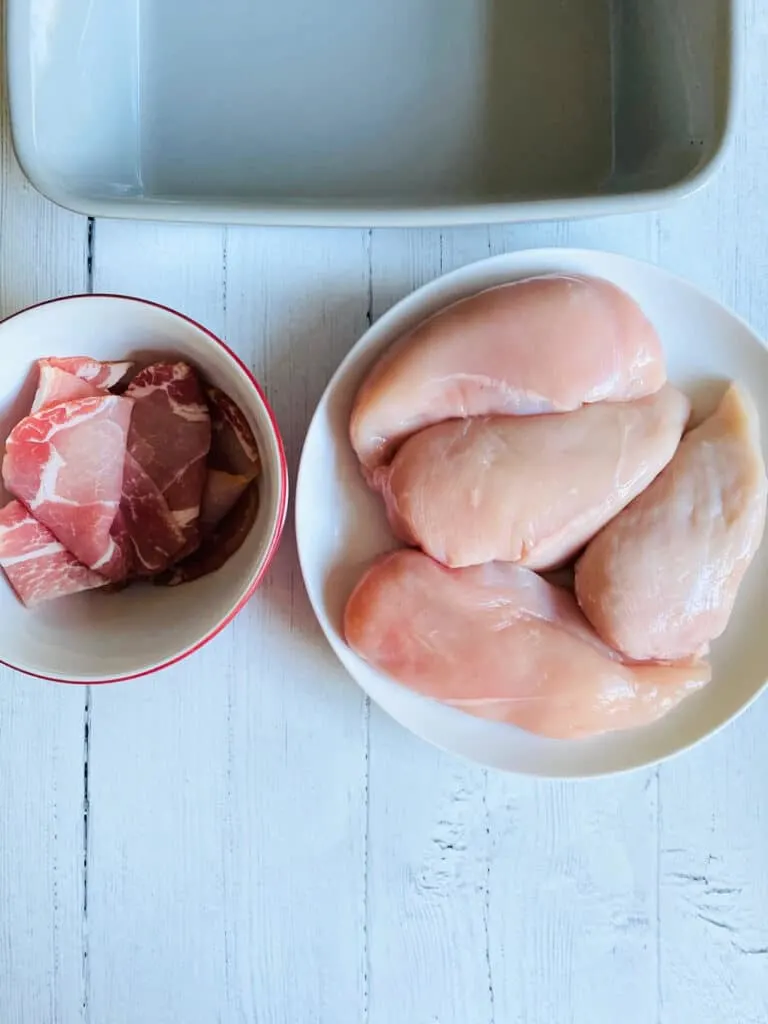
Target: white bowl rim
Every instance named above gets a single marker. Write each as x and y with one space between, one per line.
282 483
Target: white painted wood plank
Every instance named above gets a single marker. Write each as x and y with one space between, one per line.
297 301
714 802
42 253
41 853
427 883
572 898
630 234
713 898
226 866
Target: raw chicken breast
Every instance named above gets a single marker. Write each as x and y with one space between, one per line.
65 463
533 489
38 567
661 580
499 642
547 344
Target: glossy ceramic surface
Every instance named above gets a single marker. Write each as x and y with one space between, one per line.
358 112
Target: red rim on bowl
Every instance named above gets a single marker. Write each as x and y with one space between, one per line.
277 532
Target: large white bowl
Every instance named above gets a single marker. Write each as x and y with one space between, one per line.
95 637
341 526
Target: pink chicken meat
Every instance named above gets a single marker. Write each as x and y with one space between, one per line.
65 463
547 344
38 567
499 642
661 580
531 490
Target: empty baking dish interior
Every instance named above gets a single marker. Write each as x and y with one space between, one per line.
369 104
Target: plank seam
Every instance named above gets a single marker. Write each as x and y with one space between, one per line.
369 253
659 1013
86 811
224 282
90 249
487 900
366 843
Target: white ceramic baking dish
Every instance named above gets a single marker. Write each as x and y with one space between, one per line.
360 112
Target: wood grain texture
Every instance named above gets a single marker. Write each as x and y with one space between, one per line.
42 253
296 304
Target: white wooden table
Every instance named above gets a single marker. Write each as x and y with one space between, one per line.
244 839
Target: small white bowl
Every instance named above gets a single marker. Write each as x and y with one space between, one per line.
340 524
95 637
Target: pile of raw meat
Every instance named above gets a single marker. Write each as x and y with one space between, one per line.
121 473
528 429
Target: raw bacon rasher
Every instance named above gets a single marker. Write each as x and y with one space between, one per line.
233 462
118 487
101 375
219 544
65 463
38 567
154 534
56 385
170 436
233 446
144 529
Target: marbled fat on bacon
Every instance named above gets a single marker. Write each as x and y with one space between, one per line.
39 567
219 544
170 436
144 530
152 530
65 463
101 375
233 446
233 461
57 385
